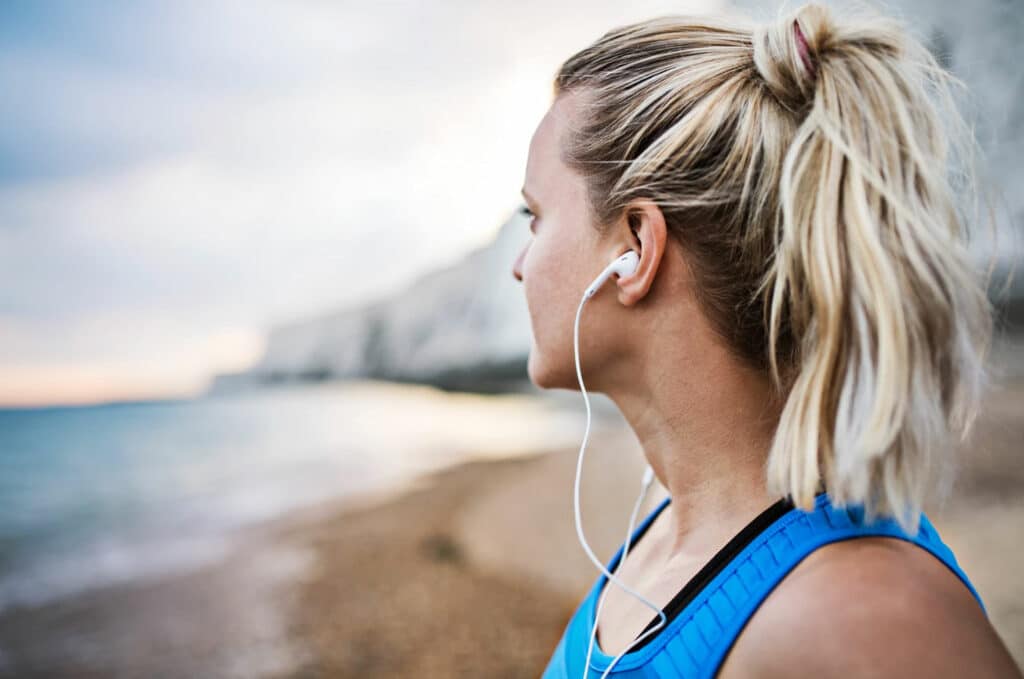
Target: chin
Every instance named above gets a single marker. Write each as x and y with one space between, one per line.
544 377
536 376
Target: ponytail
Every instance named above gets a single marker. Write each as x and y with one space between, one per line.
870 271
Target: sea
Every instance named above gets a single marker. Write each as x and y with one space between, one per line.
97 495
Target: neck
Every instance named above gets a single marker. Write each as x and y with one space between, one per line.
705 429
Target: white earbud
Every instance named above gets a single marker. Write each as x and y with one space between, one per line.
623 266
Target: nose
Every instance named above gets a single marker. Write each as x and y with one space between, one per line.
517 266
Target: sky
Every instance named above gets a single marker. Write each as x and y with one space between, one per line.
178 177
175 178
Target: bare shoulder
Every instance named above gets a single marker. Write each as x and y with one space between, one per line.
872 606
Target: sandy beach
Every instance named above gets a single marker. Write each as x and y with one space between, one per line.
471 571
477 572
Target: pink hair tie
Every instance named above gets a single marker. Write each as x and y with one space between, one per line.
805 52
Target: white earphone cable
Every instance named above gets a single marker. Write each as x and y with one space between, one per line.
648 476
579 523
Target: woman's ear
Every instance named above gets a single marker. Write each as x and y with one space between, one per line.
647 233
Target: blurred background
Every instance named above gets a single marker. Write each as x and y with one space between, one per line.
264 409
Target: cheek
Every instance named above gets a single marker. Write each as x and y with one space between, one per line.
531 273
540 280
542 260
550 292
551 273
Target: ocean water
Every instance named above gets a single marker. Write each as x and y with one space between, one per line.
98 495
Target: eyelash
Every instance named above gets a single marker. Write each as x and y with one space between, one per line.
525 211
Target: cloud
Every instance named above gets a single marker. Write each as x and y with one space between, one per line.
175 171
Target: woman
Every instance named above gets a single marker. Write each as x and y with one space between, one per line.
800 344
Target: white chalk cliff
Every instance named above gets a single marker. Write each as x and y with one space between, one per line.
464 327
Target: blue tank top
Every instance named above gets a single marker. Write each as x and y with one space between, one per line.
707 616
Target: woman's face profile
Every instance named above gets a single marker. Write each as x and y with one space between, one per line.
562 256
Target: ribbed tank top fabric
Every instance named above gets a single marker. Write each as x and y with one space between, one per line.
700 632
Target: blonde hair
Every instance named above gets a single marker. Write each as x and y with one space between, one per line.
818 203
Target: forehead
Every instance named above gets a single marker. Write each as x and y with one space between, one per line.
544 157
